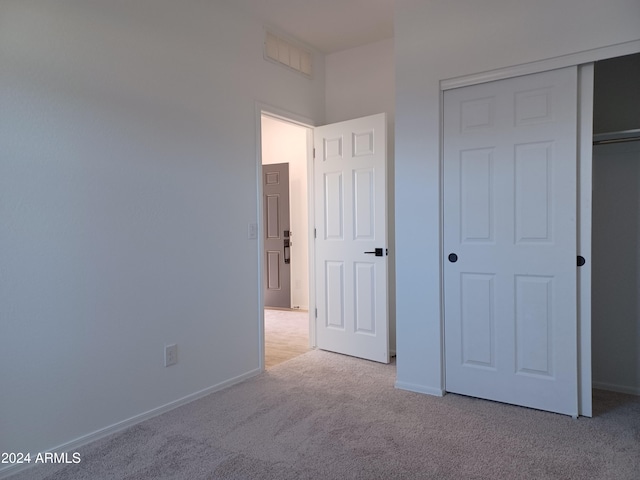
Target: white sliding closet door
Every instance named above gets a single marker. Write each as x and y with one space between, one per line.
510 240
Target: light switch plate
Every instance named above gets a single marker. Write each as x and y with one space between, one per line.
252 231
170 354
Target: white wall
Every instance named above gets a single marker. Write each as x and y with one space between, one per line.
360 82
127 181
616 94
446 39
284 142
616 267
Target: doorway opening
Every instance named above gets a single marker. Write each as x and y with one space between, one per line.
285 253
616 226
344 197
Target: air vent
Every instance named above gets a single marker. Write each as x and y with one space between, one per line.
283 52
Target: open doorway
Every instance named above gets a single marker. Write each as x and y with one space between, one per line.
616 225
347 218
286 323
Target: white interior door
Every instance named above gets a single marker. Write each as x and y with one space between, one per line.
351 224
510 240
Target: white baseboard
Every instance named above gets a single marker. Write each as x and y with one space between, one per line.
616 388
116 427
414 387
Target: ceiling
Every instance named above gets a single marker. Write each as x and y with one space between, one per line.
326 25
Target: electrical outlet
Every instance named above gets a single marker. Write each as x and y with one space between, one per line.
170 354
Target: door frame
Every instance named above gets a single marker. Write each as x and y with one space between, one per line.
584 61
298 120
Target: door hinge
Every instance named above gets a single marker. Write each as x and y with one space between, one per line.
316 312
314 153
315 233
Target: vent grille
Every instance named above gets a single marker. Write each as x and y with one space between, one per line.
283 52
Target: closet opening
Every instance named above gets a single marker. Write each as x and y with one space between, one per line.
615 297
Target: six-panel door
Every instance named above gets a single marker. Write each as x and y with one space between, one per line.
277 270
351 220
510 218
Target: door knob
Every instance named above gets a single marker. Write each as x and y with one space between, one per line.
378 252
453 258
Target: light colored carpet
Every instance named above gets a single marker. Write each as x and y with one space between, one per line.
327 416
286 335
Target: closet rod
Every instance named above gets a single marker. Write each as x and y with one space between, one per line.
616 140
616 137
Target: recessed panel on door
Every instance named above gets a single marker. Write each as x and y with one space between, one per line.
533 192
362 143
273 271
273 216
478 323
365 294
533 106
333 206
364 205
335 289
332 149
534 325
477 209
477 114
272 178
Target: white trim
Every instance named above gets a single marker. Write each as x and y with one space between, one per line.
284 115
124 424
311 248
441 265
414 387
553 63
260 243
585 150
617 388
